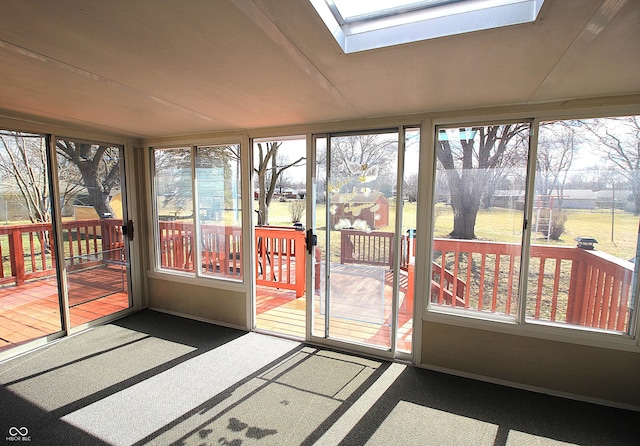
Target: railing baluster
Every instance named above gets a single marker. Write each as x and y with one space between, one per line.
456 268
467 291
540 288
623 310
86 238
94 234
32 252
604 304
483 265
496 282
615 298
556 284
591 292
1 261
510 285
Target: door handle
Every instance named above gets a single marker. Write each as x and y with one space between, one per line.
312 240
127 229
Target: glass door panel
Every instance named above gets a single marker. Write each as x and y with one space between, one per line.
318 197
29 302
355 290
406 274
92 190
279 167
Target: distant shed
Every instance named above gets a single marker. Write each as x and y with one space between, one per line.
372 208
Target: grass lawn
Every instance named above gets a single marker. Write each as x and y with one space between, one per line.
504 225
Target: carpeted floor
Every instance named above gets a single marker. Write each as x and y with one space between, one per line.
153 378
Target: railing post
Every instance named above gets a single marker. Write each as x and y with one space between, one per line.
577 283
106 238
16 255
301 259
344 239
409 296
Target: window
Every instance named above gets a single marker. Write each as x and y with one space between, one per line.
206 242
173 191
479 216
219 210
584 234
365 25
581 215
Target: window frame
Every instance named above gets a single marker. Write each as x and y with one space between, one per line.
629 341
195 277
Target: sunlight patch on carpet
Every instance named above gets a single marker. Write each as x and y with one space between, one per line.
166 396
424 425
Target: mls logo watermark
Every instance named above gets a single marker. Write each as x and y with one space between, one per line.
18 434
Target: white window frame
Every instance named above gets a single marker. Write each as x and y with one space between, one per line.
196 277
493 322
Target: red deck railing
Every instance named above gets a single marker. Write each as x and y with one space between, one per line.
30 247
280 259
565 284
221 248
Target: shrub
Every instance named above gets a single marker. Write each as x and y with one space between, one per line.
296 209
551 223
558 219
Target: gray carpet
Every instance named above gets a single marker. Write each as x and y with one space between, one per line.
153 378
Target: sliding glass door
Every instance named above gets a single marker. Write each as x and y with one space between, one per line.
60 271
29 298
362 275
94 222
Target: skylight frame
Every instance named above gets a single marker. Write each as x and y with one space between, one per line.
422 20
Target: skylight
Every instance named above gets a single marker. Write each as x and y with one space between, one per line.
359 25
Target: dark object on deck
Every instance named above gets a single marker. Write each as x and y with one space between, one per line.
586 242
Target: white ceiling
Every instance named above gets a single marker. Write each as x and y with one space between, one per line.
150 68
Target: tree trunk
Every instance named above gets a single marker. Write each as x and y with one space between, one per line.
466 196
263 207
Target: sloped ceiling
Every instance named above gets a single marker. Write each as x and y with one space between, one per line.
150 68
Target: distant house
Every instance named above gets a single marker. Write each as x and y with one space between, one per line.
570 199
508 198
623 199
373 208
578 199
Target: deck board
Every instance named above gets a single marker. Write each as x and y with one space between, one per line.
280 312
31 311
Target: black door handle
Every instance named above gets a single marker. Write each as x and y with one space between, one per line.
312 240
127 230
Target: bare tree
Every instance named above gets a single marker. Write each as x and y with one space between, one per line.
269 167
23 161
173 180
594 178
361 156
468 162
507 175
99 168
620 138
411 187
556 149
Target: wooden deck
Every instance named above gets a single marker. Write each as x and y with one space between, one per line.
31 310
279 311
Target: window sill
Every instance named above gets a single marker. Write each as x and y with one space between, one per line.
192 279
540 330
